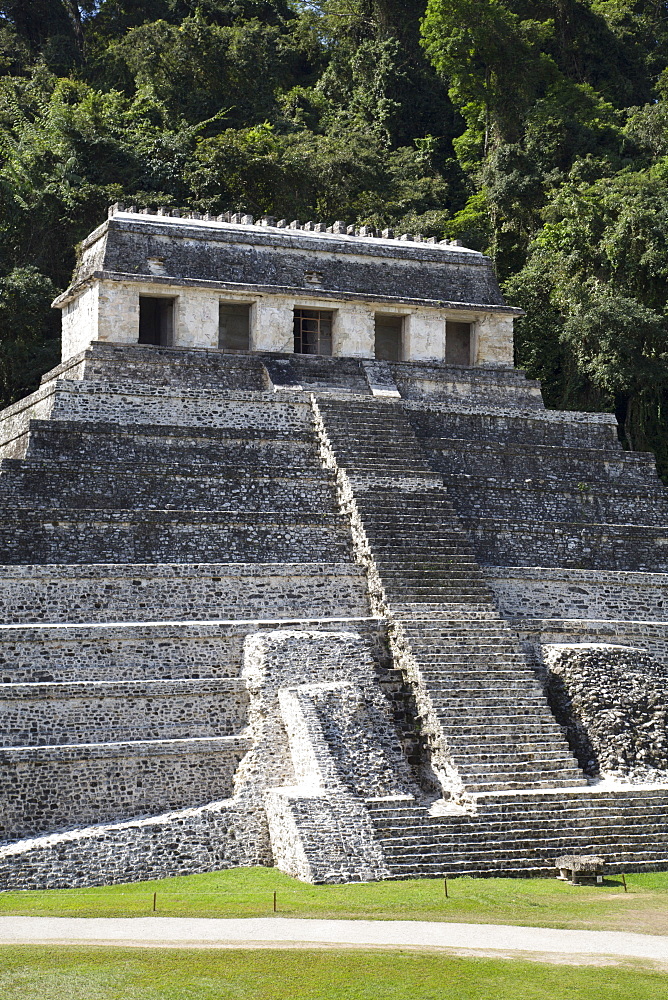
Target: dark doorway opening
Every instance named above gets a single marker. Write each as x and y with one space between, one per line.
156 321
457 343
313 331
389 337
234 327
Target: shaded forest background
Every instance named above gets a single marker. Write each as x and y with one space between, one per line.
535 131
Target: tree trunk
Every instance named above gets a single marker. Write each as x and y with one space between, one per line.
74 14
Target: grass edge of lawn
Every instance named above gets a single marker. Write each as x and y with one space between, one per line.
249 892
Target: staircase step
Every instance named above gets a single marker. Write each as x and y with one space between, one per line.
421 551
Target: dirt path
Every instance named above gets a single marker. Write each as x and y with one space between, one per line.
268 932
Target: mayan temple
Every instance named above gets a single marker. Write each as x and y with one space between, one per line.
297 570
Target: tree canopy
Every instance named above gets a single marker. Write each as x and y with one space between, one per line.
535 131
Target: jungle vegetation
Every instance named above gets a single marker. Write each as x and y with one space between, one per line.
535 131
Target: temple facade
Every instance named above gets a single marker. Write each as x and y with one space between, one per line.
234 285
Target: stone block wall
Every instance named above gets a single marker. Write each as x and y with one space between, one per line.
163 651
571 545
524 592
356 731
228 656
323 738
515 461
550 501
141 592
79 323
313 373
189 369
491 387
42 485
46 789
163 537
505 425
323 838
87 711
548 489
276 661
186 408
151 406
195 448
538 632
273 270
207 838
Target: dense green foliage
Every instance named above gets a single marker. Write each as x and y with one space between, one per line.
537 131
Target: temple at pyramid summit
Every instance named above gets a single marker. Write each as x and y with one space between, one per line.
297 570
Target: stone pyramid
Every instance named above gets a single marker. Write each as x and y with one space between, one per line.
299 610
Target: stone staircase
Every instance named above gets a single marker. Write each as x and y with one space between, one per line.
486 713
587 505
565 523
523 833
491 707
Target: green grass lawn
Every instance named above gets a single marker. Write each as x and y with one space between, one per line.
249 892
29 973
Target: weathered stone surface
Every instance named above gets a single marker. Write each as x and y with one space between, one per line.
208 838
613 705
585 864
251 255
58 787
555 592
293 606
315 695
141 592
86 711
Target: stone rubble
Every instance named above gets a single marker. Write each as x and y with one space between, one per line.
612 703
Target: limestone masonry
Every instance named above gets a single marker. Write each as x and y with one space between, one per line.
296 569
199 282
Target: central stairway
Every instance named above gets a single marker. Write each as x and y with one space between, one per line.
489 723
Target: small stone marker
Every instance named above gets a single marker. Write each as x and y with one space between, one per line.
580 866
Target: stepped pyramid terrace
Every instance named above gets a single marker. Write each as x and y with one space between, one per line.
296 569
